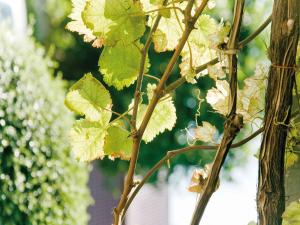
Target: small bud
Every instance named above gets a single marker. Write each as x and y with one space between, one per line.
290 25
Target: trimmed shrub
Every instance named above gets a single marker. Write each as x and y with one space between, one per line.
40 182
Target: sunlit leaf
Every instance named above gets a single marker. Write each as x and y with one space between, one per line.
291 159
160 41
163 117
170 29
120 65
118 142
199 179
206 132
218 97
291 216
87 140
93 18
77 24
114 20
90 98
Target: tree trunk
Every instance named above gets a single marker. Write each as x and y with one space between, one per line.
282 53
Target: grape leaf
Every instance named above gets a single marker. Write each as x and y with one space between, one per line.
203 41
118 143
121 72
291 216
199 179
218 97
115 20
77 24
163 117
291 159
216 71
87 140
90 98
93 17
155 5
251 96
170 29
206 132
160 41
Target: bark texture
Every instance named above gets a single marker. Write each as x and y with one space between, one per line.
282 53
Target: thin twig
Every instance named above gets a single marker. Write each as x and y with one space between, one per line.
182 79
174 153
123 115
248 39
152 77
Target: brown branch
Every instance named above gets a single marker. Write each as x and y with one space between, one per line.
172 154
233 123
144 52
136 139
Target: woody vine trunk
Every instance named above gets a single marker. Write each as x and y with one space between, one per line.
282 53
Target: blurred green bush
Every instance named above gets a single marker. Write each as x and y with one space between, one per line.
40 182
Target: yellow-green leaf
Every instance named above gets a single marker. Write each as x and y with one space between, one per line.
120 65
163 117
77 24
90 98
114 20
291 216
118 143
93 18
87 140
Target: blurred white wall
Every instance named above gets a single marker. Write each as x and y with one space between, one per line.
150 207
15 12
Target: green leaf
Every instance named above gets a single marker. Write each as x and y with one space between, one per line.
87 140
291 216
171 29
115 20
93 17
160 41
129 18
163 117
77 24
118 143
120 65
90 98
291 158
203 41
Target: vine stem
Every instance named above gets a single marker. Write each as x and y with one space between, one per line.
233 123
137 134
136 139
173 153
247 40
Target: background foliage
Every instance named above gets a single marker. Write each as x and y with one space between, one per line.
40 182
